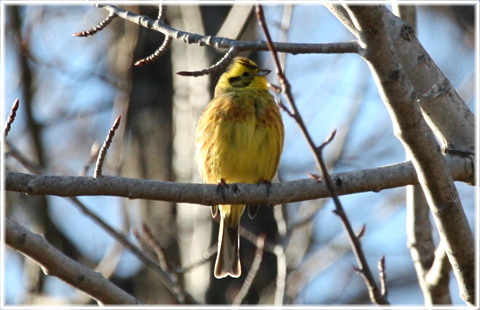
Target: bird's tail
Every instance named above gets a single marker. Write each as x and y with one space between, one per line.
228 254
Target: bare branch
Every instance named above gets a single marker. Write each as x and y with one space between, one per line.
408 13
55 263
252 272
157 54
280 280
420 143
437 278
104 23
361 232
155 245
31 166
11 117
376 179
104 149
225 43
383 276
364 269
206 257
222 63
165 277
162 11
181 296
445 111
342 15
420 242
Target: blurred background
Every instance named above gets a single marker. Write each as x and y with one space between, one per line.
71 89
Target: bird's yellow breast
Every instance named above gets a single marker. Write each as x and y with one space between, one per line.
239 137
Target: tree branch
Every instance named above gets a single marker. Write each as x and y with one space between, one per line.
422 249
181 295
103 151
419 227
445 111
419 141
375 179
11 118
55 263
437 277
225 43
364 269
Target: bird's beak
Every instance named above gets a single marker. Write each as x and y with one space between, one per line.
263 72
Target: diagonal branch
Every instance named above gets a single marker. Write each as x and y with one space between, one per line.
419 141
181 295
376 296
219 65
55 263
103 151
445 111
252 272
104 23
419 227
157 54
11 118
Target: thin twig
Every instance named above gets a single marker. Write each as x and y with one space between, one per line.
155 245
162 11
157 54
281 276
282 241
307 218
314 176
206 257
361 232
222 63
253 239
383 276
375 294
285 27
11 117
104 23
164 276
253 270
104 149
27 163
284 83
364 270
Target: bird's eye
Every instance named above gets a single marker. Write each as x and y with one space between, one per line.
245 74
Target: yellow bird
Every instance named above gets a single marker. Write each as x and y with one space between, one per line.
239 139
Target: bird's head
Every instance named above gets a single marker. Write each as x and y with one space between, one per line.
243 73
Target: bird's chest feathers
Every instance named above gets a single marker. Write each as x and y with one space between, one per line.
242 125
243 137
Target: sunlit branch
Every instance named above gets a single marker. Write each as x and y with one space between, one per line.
11 118
104 23
368 180
104 149
364 269
55 263
225 43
